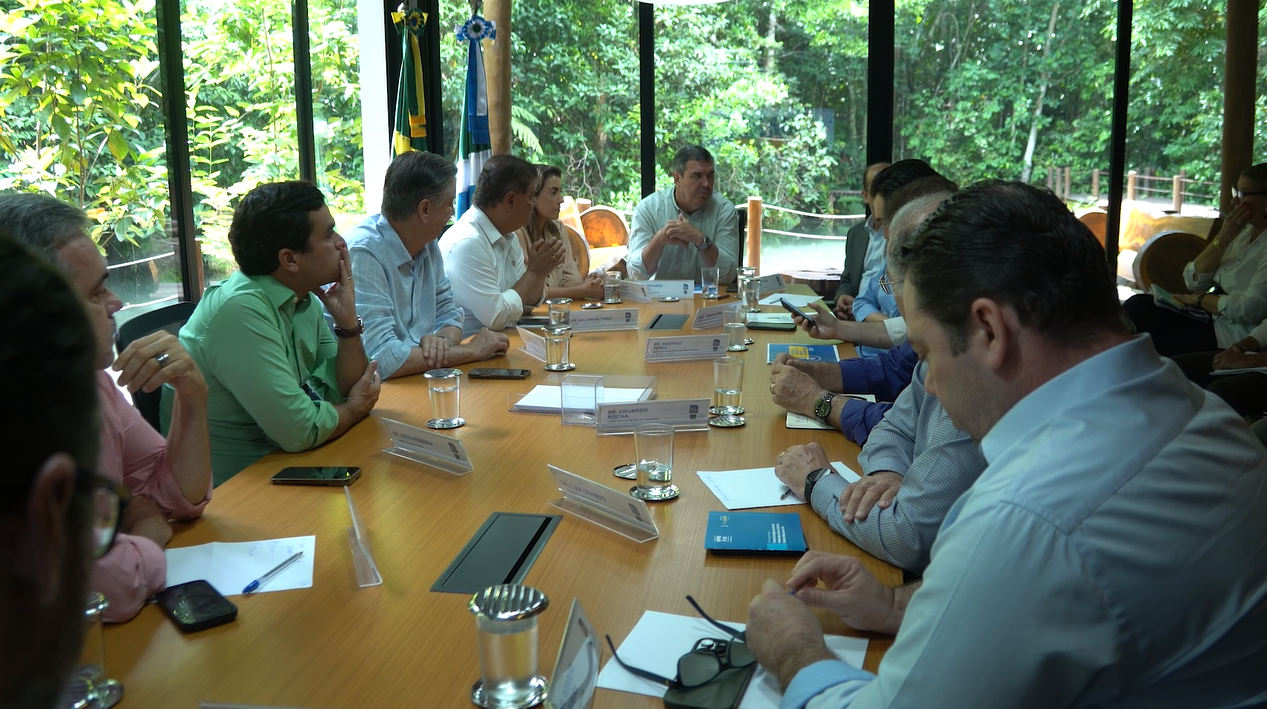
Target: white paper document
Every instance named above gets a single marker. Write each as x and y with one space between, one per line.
757 487
1245 370
231 567
659 639
801 421
548 399
796 299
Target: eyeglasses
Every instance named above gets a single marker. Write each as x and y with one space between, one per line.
706 661
109 500
1238 193
887 285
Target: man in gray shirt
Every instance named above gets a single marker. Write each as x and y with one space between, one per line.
687 227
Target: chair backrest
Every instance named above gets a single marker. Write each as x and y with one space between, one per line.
580 250
742 228
1095 219
170 318
604 227
1162 258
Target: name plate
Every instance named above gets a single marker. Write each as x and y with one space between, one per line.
664 289
635 291
592 320
621 513
771 283
534 344
710 317
672 412
671 349
422 445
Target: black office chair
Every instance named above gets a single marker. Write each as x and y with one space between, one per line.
170 318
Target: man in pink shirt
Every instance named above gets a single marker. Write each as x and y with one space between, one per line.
169 479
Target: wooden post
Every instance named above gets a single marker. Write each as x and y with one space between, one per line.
1240 81
1176 193
752 250
497 72
1050 185
1130 185
1095 185
1067 186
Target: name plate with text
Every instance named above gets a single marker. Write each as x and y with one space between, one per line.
772 283
594 320
679 413
534 344
610 509
635 291
665 289
687 347
425 446
710 317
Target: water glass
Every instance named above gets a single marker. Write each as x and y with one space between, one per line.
750 289
506 620
734 318
653 451
747 271
611 287
727 390
88 685
708 278
558 340
560 310
444 388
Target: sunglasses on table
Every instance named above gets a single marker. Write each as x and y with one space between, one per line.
706 661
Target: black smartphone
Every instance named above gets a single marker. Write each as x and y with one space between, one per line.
332 475
196 605
795 310
485 373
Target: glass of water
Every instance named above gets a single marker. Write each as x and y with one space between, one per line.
653 451
611 287
560 310
506 619
750 289
444 389
734 317
558 341
747 271
88 685
708 282
727 392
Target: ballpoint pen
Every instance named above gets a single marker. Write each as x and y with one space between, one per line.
255 585
785 494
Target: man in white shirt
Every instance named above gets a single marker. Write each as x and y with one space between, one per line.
493 280
1111 554
687 227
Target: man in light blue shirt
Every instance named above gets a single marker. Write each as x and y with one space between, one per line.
687 227
412 323
1114 552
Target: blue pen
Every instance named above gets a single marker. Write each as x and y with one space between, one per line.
255 585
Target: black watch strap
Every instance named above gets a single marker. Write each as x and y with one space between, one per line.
812 479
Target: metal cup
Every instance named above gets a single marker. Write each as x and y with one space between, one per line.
445 387
506 618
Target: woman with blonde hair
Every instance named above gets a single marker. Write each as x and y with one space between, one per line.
566 281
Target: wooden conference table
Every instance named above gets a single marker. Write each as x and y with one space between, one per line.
338 646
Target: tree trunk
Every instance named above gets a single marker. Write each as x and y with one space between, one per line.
769 40
1028 168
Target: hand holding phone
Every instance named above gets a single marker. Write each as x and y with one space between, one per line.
795 310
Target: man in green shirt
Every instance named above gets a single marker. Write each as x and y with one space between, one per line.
276 376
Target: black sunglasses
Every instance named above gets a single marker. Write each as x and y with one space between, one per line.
706 661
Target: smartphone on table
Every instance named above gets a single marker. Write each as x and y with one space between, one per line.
339 475
195 606
487 373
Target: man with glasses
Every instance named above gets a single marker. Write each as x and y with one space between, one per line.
1112 554
47 363
170 479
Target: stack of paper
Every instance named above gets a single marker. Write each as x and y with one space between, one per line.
548 399
230 567
758 487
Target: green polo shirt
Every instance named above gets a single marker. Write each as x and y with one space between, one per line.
269 361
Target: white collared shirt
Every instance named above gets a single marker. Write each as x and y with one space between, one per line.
483 266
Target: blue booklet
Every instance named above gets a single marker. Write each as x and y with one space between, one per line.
813 353
755 532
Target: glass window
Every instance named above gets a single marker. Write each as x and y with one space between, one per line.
336 103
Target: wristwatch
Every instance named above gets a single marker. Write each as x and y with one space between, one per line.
812 479
822 409
350 333
707 242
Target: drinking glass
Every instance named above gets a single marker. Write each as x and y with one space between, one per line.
708 282
560 310
558 340
653 451
444 386
750 288
747 271
611 287
733 317
88 686
506 620
727 392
